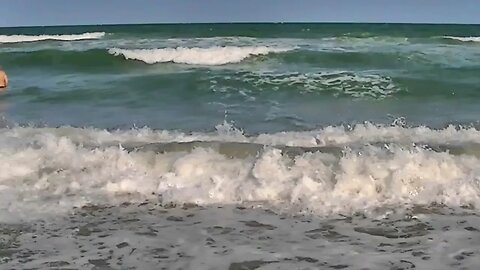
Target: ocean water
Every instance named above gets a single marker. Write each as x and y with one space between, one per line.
240 146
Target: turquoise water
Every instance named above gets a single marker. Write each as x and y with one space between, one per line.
271 77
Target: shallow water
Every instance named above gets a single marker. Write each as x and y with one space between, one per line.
151 236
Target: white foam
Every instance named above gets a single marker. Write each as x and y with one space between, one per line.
49 171
366 133
32 38
196 56
353 84
464 39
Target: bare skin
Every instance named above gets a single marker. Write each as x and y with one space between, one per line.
3 80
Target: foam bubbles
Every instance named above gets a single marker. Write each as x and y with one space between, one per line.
50 171
354 84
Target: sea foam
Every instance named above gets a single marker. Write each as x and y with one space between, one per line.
33 38
354 84
464 39
50 171
196 56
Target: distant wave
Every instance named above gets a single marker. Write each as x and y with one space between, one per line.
196 56
464 39
32 38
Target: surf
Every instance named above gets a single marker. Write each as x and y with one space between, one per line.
65 37
196 56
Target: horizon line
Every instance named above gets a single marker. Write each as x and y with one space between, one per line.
240 22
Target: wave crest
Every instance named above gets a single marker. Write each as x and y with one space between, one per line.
33 38
464 39
196 56
66 167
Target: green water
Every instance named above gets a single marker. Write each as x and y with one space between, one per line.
263 77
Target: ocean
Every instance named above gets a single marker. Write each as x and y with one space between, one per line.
240 146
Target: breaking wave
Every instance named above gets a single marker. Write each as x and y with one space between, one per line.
464 39
196 56
329 171
33 38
